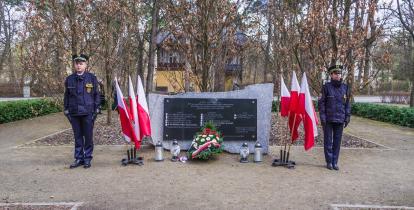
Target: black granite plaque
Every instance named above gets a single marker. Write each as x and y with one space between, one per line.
235 118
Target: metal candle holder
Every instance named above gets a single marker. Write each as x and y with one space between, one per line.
244 153
175 151
258 153
159 152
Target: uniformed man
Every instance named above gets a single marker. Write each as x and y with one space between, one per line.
335 113
81 106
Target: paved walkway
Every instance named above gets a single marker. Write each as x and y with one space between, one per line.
367 176
17 98
395 137
367 99
19 132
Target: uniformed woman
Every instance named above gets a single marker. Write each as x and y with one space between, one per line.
335 113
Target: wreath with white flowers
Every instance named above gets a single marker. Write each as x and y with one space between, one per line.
206 143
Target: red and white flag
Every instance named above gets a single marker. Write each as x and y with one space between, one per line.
143 113
133 109
309 115
284 98
294 115
126 124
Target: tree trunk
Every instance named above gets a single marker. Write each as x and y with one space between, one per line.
369 40
268 42
72 23
187 66
411 55
187 69
6 55
151 50
60 63
412 93
12 72
255 71
350 55
332 30
205 67
108 72
367 62
220 70
241 68
2 26
276 61
140 56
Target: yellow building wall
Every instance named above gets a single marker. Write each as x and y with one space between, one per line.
228 83
173 80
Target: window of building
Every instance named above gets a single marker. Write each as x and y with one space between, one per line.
161 88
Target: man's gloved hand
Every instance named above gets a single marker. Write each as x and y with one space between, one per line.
347 119
66 112
95 114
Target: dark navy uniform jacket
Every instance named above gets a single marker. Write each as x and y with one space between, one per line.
81 94
334 104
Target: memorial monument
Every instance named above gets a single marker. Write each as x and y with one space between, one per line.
241 116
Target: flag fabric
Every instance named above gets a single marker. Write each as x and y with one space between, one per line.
284 98
126 124
133 109
143 113
294 115
308 114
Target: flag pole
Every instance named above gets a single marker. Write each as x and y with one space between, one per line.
284 149
284 157
291 134
284 138
282 153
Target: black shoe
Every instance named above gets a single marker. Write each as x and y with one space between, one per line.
76 164
87 165
334 166
329 166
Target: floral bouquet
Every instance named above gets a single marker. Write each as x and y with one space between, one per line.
206 143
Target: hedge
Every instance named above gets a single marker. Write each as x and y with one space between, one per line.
403 116
23 109
276 106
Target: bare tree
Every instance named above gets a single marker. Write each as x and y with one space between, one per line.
209 30
152 46
405 11
8 30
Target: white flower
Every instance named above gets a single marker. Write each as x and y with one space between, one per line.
214 140
208 138
195 145
202 140
204 136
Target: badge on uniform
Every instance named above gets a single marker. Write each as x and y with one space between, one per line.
89 87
